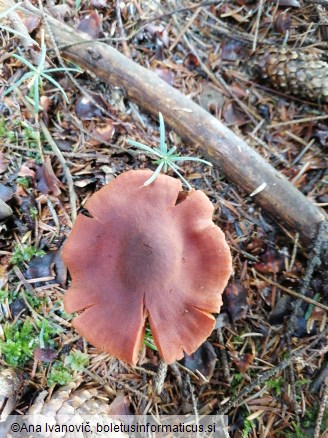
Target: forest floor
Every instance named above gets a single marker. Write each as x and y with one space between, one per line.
265 364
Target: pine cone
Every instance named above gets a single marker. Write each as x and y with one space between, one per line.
302 74
11 386
70 406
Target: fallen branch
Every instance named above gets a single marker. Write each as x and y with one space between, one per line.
240 163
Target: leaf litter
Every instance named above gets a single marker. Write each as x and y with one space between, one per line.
91 134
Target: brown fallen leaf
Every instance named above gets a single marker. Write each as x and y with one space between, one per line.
211 98
5 210
270 261
91 24
46 355
202 360
102 134
235 300
120 406
232 115
233 50
242 361
47 181
191 61
165 74
49 265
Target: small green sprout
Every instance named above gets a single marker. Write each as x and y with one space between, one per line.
77 361
276 385
59 374
23 181
20 341
36 74
4 294
33 212
165 158
248 427
25 254
148 339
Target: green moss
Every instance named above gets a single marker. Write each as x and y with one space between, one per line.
22 338
77 361
4 294
248 427
20 341
59 375
5 132
25 254
276 385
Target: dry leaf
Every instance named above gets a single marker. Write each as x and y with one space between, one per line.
92 25
235 300
202 360
5 210
47 182
242 361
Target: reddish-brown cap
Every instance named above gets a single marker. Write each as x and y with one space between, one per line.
146 253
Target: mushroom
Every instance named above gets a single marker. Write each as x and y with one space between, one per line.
147 253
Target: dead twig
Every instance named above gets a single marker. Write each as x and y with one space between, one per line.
257 24
262 378
314 260
67 173
61 159
292 292
292 381
184 30
319 380
297 121
323 405
121 30
237 160
224 357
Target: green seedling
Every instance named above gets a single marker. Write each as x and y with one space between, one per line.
4 295
148 339
59 374
165 158
24 254
36 74
77 361
248 427
276 385
33 212
23 181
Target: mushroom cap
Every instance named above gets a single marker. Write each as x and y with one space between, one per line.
146 253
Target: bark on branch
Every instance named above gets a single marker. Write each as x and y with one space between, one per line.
240 163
